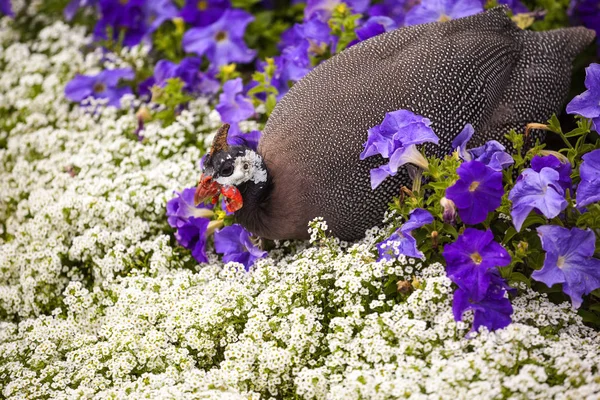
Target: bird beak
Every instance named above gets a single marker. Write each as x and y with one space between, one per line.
207 189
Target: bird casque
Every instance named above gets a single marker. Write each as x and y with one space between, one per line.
481 70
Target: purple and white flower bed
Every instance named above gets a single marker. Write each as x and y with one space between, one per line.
483 282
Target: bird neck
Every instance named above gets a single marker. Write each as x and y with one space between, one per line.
255 209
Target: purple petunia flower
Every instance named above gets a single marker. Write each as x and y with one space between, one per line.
203 12
493 310
222 42
235 245
401 241
460 142
188 70
100 86
375 26
536 190
181 208
297 44
550 161
569 260
135 19
471 260
396 138
586 12
492 153
314 30
295 61
127 17
233 105
249 139
588 191
394 9
290 67
324 8
192 235
587 104
165 69
442 10
156 12
478 191
6 8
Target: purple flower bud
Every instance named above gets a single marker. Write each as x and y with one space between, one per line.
449 214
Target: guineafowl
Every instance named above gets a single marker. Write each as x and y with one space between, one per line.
481 70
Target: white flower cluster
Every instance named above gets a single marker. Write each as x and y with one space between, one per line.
97 301
83 199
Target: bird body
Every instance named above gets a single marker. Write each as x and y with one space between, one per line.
481 70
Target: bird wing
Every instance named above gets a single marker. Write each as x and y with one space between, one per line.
452 72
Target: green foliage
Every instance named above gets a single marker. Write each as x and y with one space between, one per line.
579 135
556 13
172 97
227 72
343 25
265 87
245 4
441 175
264 33
30 27
167 40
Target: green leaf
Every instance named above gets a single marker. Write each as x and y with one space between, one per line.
589 317
510 233
595 307
171 96
577 132
270 103
519 277
245 4
533 219
554 124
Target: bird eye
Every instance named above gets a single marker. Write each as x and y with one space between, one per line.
227 170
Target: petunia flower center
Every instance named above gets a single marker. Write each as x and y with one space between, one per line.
220 36
444 18
202 5
473 186
476 257
123 1
560 262
99 87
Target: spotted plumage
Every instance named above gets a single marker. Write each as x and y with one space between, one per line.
481 70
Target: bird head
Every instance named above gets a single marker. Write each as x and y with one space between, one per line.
226 169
